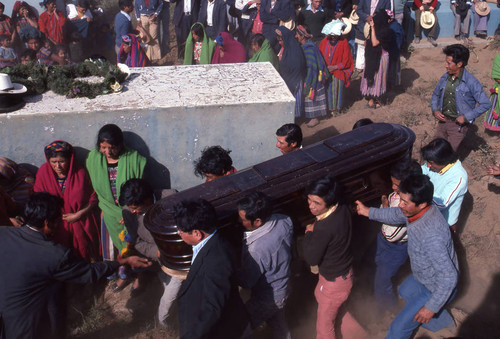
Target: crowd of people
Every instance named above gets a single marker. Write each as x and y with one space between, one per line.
77 222
317 47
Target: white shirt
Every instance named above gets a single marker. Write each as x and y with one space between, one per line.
126 15
210 11
197 248
73 13
187 6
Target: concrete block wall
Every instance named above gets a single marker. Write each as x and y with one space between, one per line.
169 114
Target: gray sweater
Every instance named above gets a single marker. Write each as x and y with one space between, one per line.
430 247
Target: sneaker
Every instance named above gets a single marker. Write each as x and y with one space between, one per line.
416 40
432 41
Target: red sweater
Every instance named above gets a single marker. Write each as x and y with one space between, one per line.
418 3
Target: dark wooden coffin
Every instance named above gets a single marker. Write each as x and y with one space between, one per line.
360 159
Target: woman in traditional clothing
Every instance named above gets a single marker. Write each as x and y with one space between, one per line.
199 47
228 50
292 65
64 177
23 15
110 165
378 45
131 52
52 23
316 77
262 51
337 54
492 116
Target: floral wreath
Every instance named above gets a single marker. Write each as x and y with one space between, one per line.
62 79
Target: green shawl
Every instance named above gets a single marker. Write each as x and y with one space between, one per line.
495 71
265 53
207 48
130 165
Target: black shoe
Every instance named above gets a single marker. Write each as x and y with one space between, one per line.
458 37
416 40
432 41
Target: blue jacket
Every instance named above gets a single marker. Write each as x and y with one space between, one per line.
155 7
469 95
123 26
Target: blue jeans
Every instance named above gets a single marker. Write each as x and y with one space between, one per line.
416 295
389 258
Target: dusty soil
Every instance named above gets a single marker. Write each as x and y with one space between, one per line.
99 313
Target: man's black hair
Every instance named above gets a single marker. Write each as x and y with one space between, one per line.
214 160
458 53
258 39
111 134
403 169
292 132
135 192
439 151
197 214
256 205
362 122
326 188
125 3
42 207
419 187
83 4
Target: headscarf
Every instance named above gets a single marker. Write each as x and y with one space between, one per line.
334 27
81 235
384 36
137 57
293 63
302 31
234 51
29 32
130 165
20 181
207 48
265 53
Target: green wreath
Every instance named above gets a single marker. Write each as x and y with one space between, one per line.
61 79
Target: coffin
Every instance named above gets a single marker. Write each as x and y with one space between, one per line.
360 159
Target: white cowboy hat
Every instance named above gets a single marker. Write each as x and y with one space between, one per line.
354 18
366 30
427 20
482 8
7 87
348 26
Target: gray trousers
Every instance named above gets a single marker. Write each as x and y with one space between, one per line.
464 28
171 288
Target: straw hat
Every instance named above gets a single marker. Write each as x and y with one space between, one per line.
354 18
7 87
348 25
427 20
482 8
366 30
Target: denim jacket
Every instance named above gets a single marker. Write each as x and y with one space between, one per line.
266 257
469 95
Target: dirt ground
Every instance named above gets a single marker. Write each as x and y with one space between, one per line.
96 312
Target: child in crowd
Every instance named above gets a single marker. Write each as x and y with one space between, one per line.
61 52
28 57
8 56
131 52
199 47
